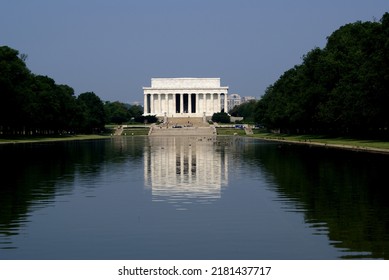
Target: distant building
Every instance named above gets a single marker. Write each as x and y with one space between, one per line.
248 98
235 100
136 103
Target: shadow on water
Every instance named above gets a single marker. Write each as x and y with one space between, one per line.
33 175
342 194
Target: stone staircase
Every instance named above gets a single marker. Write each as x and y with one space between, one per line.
183 131
188 121
118 130
248 130
183 127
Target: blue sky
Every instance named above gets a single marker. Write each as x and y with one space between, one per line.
115 47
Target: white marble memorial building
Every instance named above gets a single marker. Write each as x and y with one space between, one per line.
184 97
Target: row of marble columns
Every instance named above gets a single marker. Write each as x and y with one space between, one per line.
177 104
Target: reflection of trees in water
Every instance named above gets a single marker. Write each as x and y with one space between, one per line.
345 192
33 174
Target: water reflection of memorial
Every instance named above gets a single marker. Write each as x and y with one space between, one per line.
184 171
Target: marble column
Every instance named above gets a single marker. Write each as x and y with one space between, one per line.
213 103
152 104
219 104
145 105
166 103
206 103
158 105
225 103
174 104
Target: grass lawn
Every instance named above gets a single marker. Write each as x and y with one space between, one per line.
32 139
229 131
337 141
136 131
302 139
110 129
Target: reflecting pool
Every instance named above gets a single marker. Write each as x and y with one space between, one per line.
191 198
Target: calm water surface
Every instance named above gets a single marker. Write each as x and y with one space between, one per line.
191 198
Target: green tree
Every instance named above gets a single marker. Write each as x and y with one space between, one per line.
245 110
341 89
146 119
221 117
14 89
135 111
93 111
116 112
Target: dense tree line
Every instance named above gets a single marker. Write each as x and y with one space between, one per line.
341 89
245 110
119 113
35 105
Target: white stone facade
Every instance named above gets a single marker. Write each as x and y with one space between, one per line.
184 97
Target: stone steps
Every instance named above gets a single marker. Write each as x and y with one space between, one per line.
184 131
248 130
118 131
191 121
